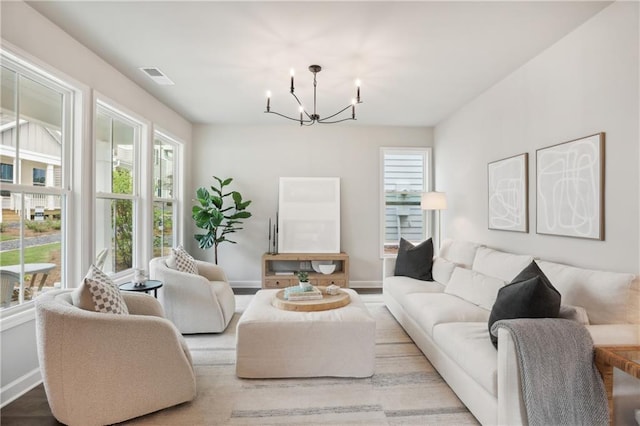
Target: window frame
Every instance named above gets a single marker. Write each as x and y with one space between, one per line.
142 126
427 217
176 199
71 129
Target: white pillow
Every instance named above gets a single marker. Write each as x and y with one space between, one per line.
442 270
99 293
494 263
182 261
474 287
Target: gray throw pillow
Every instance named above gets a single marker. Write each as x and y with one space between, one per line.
415 261
529 295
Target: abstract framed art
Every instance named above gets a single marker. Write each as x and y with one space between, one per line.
309 215
508 183
570 188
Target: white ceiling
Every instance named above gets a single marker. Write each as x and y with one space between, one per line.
418 61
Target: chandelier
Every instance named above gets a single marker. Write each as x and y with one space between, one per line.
307 119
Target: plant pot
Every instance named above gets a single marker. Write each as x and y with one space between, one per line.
306 285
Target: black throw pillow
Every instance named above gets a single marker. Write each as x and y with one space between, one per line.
529 295
415 261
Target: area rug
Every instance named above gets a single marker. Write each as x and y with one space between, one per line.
405 388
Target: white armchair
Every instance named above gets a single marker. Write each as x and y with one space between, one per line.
101 368
202 303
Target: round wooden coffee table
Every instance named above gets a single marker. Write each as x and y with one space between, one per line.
327 302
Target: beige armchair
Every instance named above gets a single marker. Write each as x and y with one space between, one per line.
202 303
100 368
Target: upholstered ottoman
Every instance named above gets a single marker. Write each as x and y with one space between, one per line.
271 342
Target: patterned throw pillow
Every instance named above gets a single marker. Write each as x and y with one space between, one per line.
100 294
182 261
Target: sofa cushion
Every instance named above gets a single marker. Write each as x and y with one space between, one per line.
99 293
182 261
399 287
415 261
608 297
459 252
500 264
474 287
442 270
468 345
431 309
529 295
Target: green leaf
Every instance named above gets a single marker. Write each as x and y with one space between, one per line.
217 201
227 181
218 179
203 196
205 241
216 190
244 205
237 198
240 215
216 218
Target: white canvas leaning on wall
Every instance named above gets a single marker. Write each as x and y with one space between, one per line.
508 193
569 192
309 215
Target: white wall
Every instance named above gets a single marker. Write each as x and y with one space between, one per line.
26 32
257 156
584 84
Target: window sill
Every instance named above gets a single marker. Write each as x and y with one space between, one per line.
16 315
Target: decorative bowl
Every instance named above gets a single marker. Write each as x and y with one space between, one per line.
315 264
327 269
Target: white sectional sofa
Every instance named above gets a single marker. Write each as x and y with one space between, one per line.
447 318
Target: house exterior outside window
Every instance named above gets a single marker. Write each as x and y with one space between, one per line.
404 176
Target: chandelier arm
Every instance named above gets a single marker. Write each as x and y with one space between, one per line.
300 104
336 121
287 117
337 113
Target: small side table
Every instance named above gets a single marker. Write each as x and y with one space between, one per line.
146 287
626 358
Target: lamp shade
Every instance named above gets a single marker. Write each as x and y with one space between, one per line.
433 201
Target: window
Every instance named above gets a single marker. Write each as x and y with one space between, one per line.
39 177
117 144
404 174
33 105
165 200
6 172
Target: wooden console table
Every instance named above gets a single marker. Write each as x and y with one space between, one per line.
276 266
625 358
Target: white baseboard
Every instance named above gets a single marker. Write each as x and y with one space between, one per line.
365 284
352 284
245 284
20 386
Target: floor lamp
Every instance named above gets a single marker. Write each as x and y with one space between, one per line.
434 201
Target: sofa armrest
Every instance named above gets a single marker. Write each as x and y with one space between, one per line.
142 304
388 266
511 410
210 271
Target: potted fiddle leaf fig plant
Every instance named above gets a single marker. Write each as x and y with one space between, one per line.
220 214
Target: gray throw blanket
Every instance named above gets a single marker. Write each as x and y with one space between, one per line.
560 382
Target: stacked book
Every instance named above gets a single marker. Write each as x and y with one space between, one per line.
297 293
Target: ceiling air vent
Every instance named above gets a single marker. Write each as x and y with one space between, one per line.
158 76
